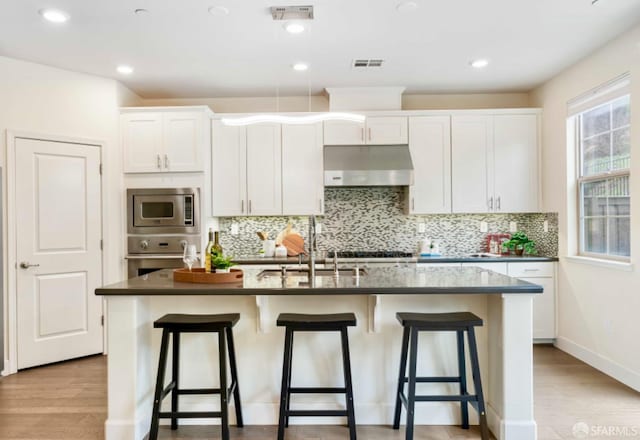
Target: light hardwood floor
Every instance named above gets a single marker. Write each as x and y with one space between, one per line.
67 401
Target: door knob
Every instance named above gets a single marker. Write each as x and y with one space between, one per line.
27 265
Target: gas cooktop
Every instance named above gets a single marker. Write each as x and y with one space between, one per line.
370 254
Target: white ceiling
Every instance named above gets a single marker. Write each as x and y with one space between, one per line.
180 50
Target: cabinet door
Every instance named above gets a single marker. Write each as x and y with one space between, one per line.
343 133
516 163
184 139
471 163
430 146
387 130
264 169
228 170
142 142
302 170
544 309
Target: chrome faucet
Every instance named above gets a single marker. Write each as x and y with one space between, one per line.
312 247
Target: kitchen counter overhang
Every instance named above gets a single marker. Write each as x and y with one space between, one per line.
377 281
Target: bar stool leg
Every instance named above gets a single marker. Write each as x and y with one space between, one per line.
477 382
284 392
351 416
157 399
286 420
401 376
411 398
462 372
224 390
234 377
175 374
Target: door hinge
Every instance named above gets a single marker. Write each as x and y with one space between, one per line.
102 320
101 169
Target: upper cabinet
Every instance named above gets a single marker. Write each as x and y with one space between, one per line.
430 146
164 140
494 163
267 169
377 130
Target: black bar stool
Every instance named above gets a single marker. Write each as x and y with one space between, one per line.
413 324
177 324
315 323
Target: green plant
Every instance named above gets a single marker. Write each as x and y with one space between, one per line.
518 241
221 262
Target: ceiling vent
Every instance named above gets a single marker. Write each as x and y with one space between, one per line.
374 63
284 13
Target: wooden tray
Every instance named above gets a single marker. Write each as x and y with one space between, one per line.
198 275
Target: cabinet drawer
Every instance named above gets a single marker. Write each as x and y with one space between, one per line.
531 270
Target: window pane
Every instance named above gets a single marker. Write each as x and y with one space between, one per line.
621 149
596 121
595 201
621 112
619 236
596 154
595 235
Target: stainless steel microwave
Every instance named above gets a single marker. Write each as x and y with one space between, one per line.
163 211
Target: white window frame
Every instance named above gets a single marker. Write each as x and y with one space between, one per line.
607 93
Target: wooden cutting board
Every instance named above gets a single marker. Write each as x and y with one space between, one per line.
294 244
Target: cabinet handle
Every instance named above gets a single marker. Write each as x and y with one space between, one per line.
320 200
249 206
158 161
498 203
413 204
532 270
490 203
362 134
242 207
166 161
369 133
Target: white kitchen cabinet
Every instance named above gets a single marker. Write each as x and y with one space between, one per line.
302 170
156 140
229 170
246 170
494 163
377 130
264 169
430 146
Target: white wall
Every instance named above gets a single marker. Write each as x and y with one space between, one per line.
44 100
598 306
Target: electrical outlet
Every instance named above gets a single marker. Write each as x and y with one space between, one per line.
235 229
513 226
484 227
545 226
318 228
422 228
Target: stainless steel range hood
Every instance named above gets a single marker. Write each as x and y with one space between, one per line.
370 165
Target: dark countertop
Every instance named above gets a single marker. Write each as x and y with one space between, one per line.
377 280
257 259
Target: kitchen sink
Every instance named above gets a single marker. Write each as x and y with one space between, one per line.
304 272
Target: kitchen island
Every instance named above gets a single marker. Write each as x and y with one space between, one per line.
504 303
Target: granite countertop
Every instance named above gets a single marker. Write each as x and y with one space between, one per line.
377 280
258 259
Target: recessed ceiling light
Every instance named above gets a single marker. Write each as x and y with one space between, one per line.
141 11
54 15
480 63
406 6
124 69
294 28
218 11
300 67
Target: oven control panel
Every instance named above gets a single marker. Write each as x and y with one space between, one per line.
160 244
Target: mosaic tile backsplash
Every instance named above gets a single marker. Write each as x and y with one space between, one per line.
374 219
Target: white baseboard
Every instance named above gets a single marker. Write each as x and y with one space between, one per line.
125 429
611 368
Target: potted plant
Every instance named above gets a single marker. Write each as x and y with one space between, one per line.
221 264
520 243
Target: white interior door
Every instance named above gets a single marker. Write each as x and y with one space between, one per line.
58 230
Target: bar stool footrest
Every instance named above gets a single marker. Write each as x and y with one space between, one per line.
453 379
316 390
190 415
317 413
